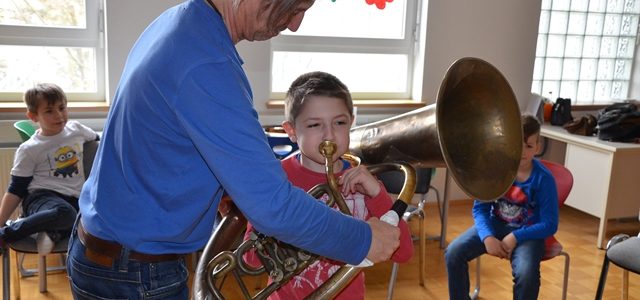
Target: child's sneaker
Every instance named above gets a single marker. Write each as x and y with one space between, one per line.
45 244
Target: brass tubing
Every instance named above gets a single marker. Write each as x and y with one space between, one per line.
328 149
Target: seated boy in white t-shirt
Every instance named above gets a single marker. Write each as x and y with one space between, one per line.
47 173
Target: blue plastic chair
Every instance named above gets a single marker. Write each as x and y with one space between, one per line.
281 145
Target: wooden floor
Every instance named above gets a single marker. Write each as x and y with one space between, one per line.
577 233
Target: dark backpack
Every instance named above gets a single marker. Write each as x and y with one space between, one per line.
619 122
561 112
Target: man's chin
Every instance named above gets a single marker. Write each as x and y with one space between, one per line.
258 37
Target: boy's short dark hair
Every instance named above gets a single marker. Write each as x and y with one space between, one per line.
530 126
49 92
314 84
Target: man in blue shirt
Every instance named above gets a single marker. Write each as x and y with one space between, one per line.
181 131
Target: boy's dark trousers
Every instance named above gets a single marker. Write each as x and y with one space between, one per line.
44 210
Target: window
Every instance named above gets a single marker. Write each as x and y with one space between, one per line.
586 50
374 59
59 41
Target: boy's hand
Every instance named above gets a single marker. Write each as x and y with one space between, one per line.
385 239
495 247
509 243
360 180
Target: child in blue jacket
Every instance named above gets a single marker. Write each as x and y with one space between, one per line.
513 227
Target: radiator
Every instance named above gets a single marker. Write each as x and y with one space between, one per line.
6 162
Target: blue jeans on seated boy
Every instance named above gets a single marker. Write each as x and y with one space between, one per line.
525 262
44 210
142 280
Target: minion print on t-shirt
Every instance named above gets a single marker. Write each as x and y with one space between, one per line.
66 159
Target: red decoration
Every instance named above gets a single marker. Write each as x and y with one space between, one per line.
379 3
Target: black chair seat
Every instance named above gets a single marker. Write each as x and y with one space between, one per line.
623 251
29 245
626 254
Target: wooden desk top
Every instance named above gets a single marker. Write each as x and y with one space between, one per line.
561 134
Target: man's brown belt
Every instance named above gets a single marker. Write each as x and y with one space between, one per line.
105 252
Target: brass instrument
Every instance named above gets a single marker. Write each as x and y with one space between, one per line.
279 260
474 130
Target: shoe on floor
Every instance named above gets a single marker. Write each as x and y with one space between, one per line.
45 244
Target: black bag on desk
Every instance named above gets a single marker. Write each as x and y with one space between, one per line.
561 112
619 122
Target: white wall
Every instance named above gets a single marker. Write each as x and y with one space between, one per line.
502 32
124 22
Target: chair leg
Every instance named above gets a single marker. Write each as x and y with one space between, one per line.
625 284
443 208
15 277
603 278
422 247
6 274
20 261
476 290
565 283
392 280
42 273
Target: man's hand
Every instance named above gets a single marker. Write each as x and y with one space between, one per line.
495 247
385 239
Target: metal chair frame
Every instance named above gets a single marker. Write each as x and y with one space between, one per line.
620 238
393 185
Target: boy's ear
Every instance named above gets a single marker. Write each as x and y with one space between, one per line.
290 130
32 116
538 144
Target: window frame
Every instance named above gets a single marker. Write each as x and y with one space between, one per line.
90 37
407 46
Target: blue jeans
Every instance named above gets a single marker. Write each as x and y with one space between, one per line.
44 210
125 279
525 263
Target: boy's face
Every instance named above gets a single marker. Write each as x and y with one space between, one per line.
51 117
321 118
529 149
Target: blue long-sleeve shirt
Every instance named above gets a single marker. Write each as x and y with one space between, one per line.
530 206
181 130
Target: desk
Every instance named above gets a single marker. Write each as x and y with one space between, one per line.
606 183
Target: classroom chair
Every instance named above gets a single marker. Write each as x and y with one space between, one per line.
25 129
623 251
393 181
29 245
281 145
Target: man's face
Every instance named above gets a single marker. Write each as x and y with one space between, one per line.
260 29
